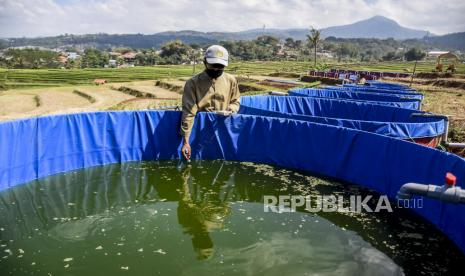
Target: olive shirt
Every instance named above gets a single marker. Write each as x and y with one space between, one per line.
202 93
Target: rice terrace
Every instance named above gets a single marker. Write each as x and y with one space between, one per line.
247 138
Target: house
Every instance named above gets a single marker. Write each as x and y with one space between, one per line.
72 55
112 63
436 54
325 53
114 55
62 59
129 59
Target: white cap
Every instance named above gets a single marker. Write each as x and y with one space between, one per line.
217 54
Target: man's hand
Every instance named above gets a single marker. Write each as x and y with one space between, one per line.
186 151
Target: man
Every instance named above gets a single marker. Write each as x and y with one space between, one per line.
212 90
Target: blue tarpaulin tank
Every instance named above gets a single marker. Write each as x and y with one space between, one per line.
38 147
396 100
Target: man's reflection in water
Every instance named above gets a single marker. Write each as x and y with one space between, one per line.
204 206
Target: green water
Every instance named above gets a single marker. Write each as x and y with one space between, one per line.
165 218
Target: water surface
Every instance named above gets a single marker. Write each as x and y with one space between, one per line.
206 218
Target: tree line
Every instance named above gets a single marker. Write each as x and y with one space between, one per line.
266 48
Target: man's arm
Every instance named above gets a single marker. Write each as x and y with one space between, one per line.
189 109
235 97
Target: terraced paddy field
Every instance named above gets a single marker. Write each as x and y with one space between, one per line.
27 78
19 103
23 103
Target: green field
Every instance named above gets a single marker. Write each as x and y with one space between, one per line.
29 78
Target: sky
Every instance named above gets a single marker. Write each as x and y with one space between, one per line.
32 18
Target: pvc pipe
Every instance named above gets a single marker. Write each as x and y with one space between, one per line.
446 193
277 93
174 107
224 113
455 145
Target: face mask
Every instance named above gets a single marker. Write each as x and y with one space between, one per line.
214 73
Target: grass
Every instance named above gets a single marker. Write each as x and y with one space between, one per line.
422 66
37 100
85 96
446 101
134 92
169 86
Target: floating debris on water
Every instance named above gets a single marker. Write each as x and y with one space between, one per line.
218 216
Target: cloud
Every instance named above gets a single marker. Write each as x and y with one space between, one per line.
48 17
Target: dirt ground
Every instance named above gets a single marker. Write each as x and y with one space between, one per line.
15 103
35 102
21 103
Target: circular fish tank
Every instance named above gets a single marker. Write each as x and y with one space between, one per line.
206 217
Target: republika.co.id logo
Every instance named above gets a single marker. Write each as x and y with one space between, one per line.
332 203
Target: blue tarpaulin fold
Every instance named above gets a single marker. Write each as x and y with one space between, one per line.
396 100
409 93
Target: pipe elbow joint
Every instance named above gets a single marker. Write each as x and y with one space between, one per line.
409 189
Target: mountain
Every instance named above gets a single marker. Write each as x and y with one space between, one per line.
374 27
295 33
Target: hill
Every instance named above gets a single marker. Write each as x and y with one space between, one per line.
448 41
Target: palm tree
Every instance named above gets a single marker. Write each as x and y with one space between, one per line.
313 39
